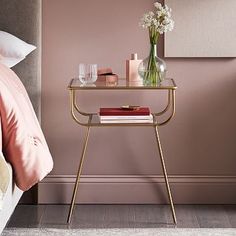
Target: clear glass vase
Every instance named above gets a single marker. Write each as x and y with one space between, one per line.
152 69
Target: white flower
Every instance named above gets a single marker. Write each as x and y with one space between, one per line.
155 23
171 25
147 19
160 21
157 5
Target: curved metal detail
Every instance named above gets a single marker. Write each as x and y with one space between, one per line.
76 106
172 111
72 107
167 107
170 104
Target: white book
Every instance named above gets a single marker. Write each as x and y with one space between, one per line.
126 121
122 121
126 117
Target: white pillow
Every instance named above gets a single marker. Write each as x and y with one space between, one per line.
12 49
10 61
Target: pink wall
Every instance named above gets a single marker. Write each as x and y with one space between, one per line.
201 140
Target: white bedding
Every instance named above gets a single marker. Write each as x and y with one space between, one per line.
10 200
4 178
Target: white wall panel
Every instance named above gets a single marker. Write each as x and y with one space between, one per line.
203 28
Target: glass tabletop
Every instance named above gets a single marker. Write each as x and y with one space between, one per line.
122 84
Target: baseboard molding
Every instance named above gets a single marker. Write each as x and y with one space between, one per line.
138 189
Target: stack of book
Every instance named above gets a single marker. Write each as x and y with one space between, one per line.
121 115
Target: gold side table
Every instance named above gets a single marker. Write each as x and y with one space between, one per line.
92 120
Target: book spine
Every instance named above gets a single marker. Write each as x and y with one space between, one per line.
126 121
126 117
124 114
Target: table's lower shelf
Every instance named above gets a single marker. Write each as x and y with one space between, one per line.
94 120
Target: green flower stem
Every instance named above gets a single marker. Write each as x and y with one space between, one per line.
152 75
153 35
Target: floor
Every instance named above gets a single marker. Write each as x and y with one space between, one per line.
124 216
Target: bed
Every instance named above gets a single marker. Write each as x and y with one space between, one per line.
23 19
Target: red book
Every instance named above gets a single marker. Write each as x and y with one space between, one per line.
118 111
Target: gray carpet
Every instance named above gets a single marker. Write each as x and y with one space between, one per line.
119 232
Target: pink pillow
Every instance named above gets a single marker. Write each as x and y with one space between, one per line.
23 144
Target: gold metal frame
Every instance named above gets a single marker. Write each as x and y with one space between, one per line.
76 112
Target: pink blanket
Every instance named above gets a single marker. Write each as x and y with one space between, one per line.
22 141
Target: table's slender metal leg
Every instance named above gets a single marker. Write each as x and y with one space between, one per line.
165 174
78 175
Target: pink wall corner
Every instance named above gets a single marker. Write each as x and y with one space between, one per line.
199 141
